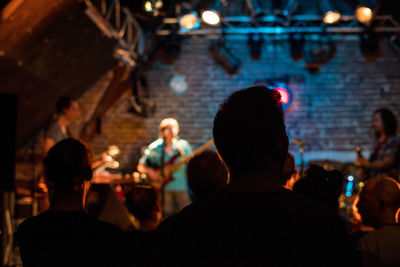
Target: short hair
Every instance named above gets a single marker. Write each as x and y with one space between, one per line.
206 173
249 131
170 121
321 186
142 201
68 164
63 103
389 121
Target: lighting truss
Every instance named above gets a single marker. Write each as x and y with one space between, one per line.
116 22
308 24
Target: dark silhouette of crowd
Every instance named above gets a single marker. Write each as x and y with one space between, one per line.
245 211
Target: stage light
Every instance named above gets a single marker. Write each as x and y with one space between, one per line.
296 42
319 55
148 6
153 6
285 92
369 43
189 22
364 14
224 57
288 8
255 41
171 47
330 16
210 17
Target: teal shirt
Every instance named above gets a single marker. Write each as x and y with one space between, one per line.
152 158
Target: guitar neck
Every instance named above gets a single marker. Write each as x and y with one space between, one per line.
186 158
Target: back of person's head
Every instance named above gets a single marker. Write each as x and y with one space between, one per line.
68 164
249 131
379 198
63 103
389 121
206 174
142 201
321 186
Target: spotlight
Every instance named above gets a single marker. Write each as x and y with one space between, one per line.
369 43
171 47
284 16
296 42
189 22
290 7
330 16
210 17
364 11
153 7
210 14
224 57
320 55
255 41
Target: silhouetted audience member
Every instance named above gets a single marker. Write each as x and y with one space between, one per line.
254 221
66 235
206 174
378 204
321 186
142 201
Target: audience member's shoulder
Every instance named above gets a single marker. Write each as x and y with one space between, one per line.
35 220
103 225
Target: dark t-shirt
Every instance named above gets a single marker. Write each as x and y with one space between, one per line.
248 229
141 244
56 238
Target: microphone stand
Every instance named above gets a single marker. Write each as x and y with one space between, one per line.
301 150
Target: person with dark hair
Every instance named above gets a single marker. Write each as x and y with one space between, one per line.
142 202
65 235
67 111
206 174
321 186
384 159
254 221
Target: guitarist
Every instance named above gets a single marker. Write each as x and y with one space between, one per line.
155 160
384 159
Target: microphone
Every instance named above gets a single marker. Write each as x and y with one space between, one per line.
297 142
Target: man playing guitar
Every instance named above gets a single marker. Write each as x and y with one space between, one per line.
384 159
156 160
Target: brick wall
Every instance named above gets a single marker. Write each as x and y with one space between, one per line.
331 110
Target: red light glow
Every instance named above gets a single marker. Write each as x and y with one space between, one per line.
284 95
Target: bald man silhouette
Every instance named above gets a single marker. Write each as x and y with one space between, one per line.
378 205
